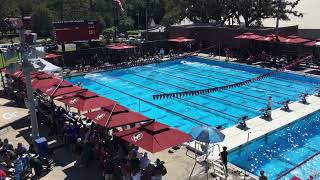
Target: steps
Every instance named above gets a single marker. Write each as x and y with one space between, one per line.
218 170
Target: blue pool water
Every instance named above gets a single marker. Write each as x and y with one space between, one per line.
282 150
134 88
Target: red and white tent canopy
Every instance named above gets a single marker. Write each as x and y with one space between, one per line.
181 40
154 137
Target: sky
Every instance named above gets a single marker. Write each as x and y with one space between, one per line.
310 20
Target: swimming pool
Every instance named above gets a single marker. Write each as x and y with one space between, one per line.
134 88
283 149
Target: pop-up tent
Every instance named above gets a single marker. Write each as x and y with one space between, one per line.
45 66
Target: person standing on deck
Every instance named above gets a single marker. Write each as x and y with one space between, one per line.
224 159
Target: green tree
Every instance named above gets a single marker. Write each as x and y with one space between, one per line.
42 20
221 11
175 11
25 7
8 8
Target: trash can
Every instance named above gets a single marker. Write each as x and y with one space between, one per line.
42 146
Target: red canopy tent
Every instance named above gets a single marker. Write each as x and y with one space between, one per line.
117 109
313 43
154 137
180 40
16 74
271 38
120 46
120 117
248 36
19 73
295 40
52 56
85 101
36 76
38 83
59 89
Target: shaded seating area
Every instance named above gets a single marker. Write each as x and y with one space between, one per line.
96 123
259 53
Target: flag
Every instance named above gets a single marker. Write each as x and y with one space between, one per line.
119 4
8 56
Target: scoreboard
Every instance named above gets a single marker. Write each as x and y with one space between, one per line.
70 31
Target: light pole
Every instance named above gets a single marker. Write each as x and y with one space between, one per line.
27 68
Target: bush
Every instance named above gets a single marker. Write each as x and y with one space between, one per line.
108 33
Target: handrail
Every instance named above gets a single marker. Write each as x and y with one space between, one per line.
55 90
110 115
297 166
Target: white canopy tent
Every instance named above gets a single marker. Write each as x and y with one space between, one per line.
43 65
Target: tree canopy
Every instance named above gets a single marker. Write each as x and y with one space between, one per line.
165 12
